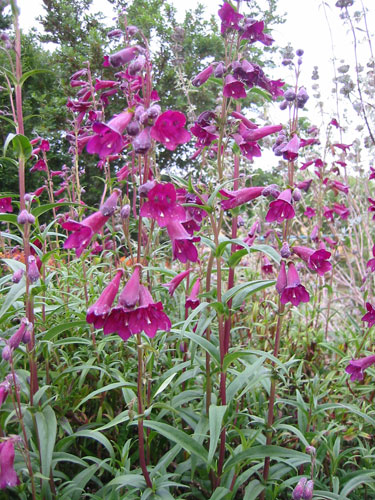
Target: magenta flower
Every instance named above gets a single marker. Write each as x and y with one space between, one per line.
8 476
193 301
109 206
369 317
108 139
123 56
229 18
339 186
372 173
4 390
309 212
136 312
317 260
299 489
281 278
266 266
356 367
202 77
83 231
239 197
39 166
259 133
328 213
253 31
371 262
32 270
169 129
98 312
233 88
248 149
294 292
182 243
162 205
173 284
281 208
341 209
6 205
371 208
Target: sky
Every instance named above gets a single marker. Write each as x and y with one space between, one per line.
306 28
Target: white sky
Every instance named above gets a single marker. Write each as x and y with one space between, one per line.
305 27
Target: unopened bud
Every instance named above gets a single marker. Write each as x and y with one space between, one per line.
308 491
7 353
125 212
33 271
17 275
289 95
311 450
299 489
24 217
109 207
297 195
285 251
145 188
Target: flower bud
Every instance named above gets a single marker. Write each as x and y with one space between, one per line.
289 95
145 188
314 233
133 128
283 105
154 111
139 110
125 212
142 142
24 217
302 97
285 251
219 70
299 489
308 491
297 195
17 275
271 190
299 52
7 353
33 271
311 450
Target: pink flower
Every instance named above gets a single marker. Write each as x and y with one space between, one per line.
239 197
6 205
8 476
356 367
339 186
202 77
294 292
328 213
109 206
309 212
182 243
83 231
369 317
290 151
258 133
173 284
108 139
162 205
281 278
98 312
4 391
281 208
317 260
229 18
371 262
169 129
40 166
193 301
248 149
233 88
342 210
371 208
123 56
266 266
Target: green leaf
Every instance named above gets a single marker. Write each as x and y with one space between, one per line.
186 441
47 428
21 145
164 384
206 345
220 493
216 415
32 72
109 387
12 218
98 436
253 490
240 292
15 292
45 208
266 96
352 484
55 330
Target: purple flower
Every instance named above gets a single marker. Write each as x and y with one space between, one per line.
294 292
229 18
83 231
169 129
182 243
123 56
315 259
6 205
281 278
371 262
193 301
108 139
162 205
4 391
266 266
239 197
253 31
260 132
290 151
142 142
369 317
248 149
98 312
39 166
173 284
309 212
233 88
299 489
356 367
281 208
339 186
202 77
17 275
8 476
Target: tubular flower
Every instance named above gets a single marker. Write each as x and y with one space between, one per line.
253 31
182 243
6 205
267 266
233 88
193 301
202 77
8 476
294 292
229 18
162 205
108 139
281 279
169 129
356 367
239 197
173 284
109 206
123 56
98 312
281 208
290 151
309 212
136 312
371 262
315 259
83 231
369 317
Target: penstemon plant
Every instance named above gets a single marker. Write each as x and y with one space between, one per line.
167 342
